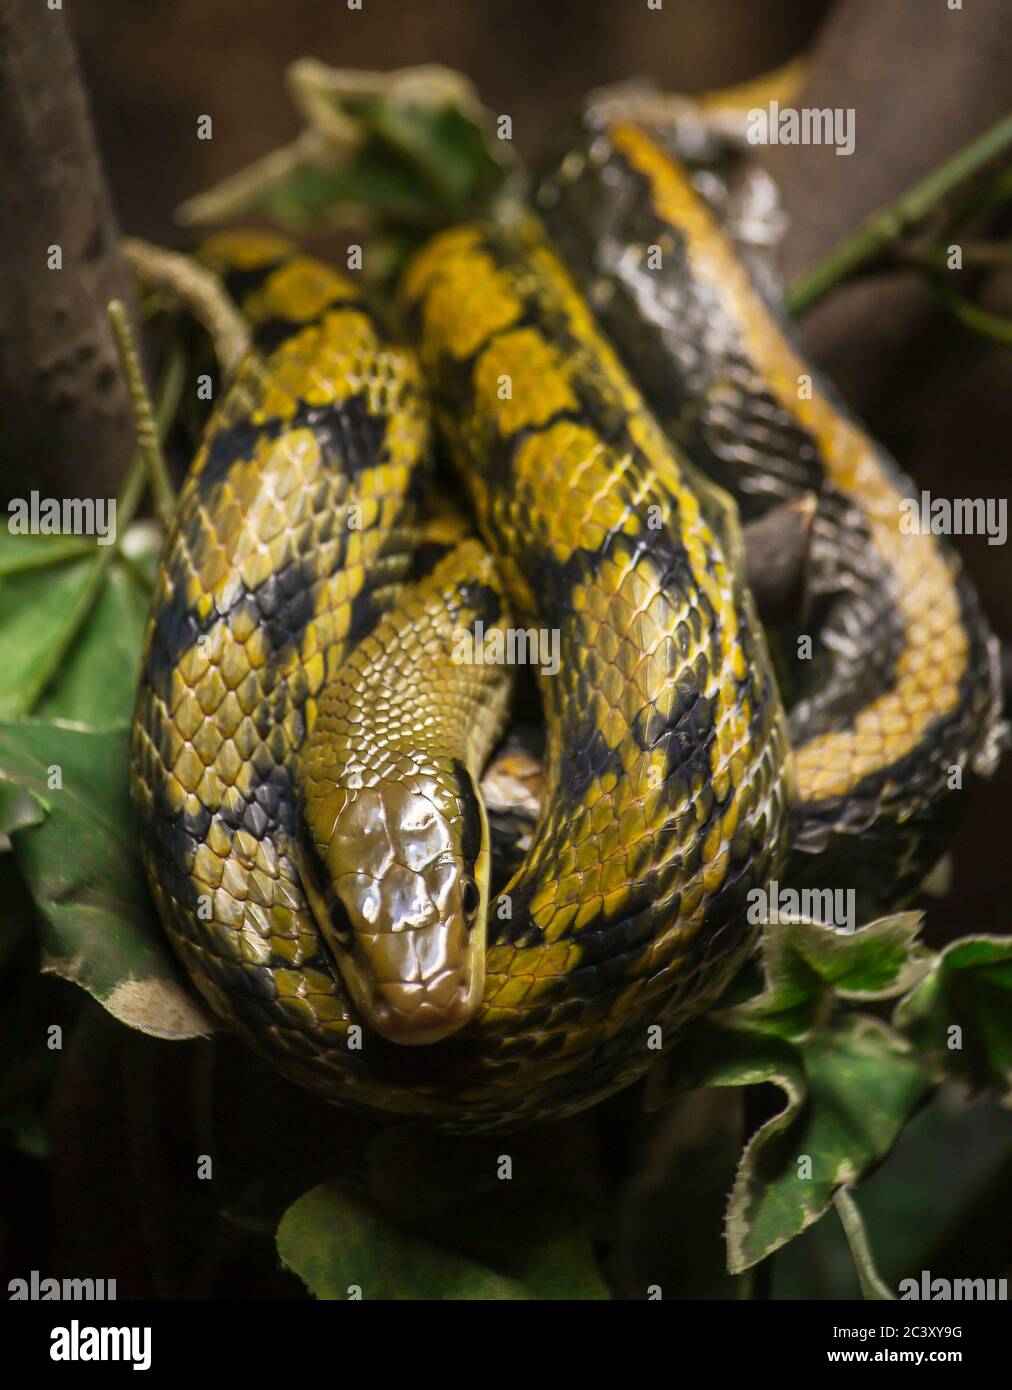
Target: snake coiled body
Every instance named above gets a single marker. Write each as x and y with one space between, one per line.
900 695
307 746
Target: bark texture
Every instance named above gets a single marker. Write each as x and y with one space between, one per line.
65 426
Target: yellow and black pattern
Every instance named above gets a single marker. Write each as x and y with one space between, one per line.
666 779
667 782
308 740
398 855
902 686
293 535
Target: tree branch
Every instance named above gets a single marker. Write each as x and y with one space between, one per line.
66 420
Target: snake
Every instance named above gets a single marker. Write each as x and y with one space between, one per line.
901 690
326 669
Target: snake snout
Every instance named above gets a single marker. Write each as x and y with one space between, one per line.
398 878
426 983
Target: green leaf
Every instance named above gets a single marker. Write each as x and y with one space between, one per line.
42 579
36 614
806 966
538 1227
850 1082
17 808
543 1243
430 117
969 990
305 187
926 1192
444 147
850 1089
389 152
336 1241
19 553
97 684
81 865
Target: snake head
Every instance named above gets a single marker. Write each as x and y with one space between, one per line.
397 876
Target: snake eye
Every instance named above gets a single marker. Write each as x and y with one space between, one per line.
470 898
330 913
341 933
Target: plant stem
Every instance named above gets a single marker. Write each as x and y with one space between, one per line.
970 316
977 255
144 420
198 290
872 1285
757 1282
126 509
884 228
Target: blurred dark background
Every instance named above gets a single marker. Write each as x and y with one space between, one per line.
153 68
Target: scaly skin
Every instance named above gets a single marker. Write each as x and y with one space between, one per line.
388 779
667 773
902 688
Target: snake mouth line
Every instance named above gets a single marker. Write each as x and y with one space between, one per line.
419 1013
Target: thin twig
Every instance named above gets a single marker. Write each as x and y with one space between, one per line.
978 320
144 420
975 255
872 1284
981 197
884 228
198 290
126 509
